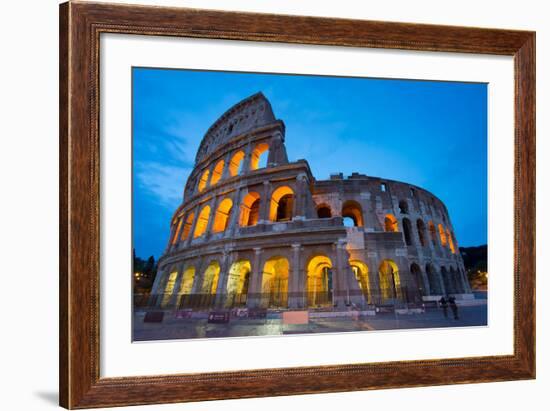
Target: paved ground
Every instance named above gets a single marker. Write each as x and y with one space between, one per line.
174 328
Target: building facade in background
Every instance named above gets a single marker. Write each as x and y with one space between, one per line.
258 231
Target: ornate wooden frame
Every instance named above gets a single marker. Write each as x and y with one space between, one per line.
80 27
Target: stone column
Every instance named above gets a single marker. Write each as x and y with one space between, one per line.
296 293
221 289
176 291
342 284
226 162
299 212
265 203
247 158
213 208
160 280
440 279
255 287
234 214
193 226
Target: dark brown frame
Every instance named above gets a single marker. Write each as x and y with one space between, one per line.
80 27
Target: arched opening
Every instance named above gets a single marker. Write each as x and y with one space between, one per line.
450 240
187 226
221 218
177 231
433 233
210 278
236 163
390 224
447 281
323 211
186 286
203 180
259 155
433 279
169 288
390 282
282 203
361 272
275 283
457 284
238 282
319 281
202 221
250 210
416 274
403 207
352 209
421 228
442 236
217 172
407 231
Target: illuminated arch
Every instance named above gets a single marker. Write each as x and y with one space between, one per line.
390 282
421 228
186 286
442 235
361 271
282 203
177 231
202 221
187 226
238 282
217 172
451 243
210 278
433 232
275 282
203 180
324 211
319 281
258 158
352 209
390 223
407 231
235 164
169 287
250 210
221 218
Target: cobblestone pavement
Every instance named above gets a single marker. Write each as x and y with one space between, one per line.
176 328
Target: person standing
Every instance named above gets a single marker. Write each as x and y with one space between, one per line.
443 305
454 307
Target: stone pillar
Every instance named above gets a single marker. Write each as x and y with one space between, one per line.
158 284
296 292
440 279
299 212
234 214
341 285
221 289
193 226
226 162
255 287
174 298
265 203
247 158
213 208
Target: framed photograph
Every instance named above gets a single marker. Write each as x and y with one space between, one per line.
259 205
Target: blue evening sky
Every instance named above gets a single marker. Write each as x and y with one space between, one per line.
431 134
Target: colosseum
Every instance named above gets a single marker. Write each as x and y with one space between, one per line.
258 231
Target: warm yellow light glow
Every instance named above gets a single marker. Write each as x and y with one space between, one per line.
281 205
221 219
203 180
187 280
390 223
390 283
238 281
187 226
259 151
250 210
275 282
169 288
352 209
202 221
361 271
442 235
217 173
433 233
177 232
451 243
319 281
211 277
236 163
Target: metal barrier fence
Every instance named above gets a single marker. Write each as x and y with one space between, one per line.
402 297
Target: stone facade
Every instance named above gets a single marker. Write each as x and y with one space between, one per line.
259 231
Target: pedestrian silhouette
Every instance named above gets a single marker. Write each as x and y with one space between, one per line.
443 304
454 308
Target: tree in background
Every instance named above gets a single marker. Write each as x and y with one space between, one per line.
475 262
144 273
